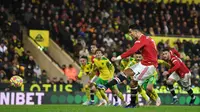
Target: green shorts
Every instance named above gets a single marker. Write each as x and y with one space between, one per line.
150 80
104 82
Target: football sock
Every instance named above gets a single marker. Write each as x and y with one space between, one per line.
120 95
143 93
98 94
92 95
171 89
103 94
154 93
151 96
133 95
190 92
115 97
117 80
87 93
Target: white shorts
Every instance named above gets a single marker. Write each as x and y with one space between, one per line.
185 82
94 78
142 72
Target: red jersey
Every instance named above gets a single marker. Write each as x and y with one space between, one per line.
178 66
175 52
148 48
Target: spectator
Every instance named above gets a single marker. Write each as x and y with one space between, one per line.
3 48
71 74
44 77
27 16
19 49
84 52
37 71
3 16
29 73
61 81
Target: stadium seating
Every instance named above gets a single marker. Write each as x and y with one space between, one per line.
75 25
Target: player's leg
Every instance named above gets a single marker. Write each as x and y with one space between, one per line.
116 91
119 79
104 96
144 95
116 99
91 83
86 89
186 83
170 81
134 87
97 92
151 91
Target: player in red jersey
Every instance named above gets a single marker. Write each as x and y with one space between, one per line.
177 72
142 70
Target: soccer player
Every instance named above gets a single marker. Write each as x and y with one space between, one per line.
86 68
93 49
106 69
142 70
92 76
177 72
126 63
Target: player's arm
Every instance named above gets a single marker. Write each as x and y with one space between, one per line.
162 62
174 51
176 64
80 73
137 45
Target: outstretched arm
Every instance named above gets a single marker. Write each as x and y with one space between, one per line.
137 45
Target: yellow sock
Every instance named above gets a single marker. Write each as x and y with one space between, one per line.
151 96
120 95
98 94
87 93
154 93
103 94
136 98
143 93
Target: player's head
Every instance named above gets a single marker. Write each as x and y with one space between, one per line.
99 53
93 48
83 60
134 31
166 54
138 56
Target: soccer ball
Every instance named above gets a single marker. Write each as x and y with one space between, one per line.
16 81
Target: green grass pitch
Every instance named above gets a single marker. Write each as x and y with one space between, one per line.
80 108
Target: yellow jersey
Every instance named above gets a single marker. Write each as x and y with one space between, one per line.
125 63
105 68
85 70
162 62
91 58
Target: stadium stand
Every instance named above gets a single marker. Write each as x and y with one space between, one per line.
14 60
75 25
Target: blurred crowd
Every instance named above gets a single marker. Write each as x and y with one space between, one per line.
14 60
76 24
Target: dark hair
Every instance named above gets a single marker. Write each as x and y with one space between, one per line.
134 27
84 57
70 65
99 50
138 52
166 49
93 45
